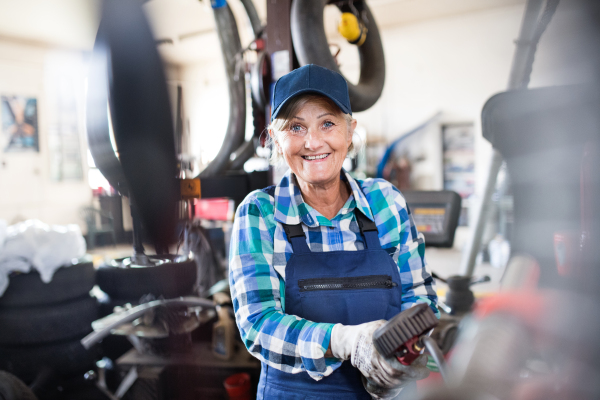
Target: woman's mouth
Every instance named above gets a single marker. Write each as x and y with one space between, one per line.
317 157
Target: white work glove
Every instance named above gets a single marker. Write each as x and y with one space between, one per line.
414 372
355 342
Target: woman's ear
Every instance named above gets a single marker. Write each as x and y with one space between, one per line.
274 139
352 129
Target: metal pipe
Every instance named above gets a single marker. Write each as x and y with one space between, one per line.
524 46
467 265
437 355
104 326
531 30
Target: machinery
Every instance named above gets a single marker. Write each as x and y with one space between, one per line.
404 335
522 125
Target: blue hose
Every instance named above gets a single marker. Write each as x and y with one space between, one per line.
390 149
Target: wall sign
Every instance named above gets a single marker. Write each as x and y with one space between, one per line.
19 124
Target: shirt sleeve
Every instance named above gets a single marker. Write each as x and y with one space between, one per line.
286 342
418 285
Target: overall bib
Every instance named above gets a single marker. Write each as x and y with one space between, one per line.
347 287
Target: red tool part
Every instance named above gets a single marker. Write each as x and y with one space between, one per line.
401 335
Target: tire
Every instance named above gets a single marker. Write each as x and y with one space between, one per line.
65 358
46 324
88 391
311 46
26 290
12 388
169 280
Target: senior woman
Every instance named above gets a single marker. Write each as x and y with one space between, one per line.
318 261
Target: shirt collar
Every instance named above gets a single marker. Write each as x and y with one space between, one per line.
290 208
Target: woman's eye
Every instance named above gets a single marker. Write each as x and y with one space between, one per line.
328 124
296 129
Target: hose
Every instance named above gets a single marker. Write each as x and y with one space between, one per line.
437 355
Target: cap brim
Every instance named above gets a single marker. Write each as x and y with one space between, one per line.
275 113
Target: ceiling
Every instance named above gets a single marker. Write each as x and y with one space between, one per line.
188 25
400 12
63 23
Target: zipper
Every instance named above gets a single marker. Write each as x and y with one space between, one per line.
349 283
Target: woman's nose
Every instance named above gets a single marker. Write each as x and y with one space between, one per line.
314 139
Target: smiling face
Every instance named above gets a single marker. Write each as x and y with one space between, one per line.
314 141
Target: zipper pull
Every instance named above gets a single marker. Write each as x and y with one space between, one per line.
391 284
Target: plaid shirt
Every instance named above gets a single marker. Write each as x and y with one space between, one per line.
259 253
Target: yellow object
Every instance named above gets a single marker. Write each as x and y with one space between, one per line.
190 188
351 29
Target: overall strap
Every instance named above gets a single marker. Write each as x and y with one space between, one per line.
296 237
294 233
368 230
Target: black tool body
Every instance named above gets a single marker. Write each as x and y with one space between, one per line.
401 335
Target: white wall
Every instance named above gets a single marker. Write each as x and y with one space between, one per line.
452 65
26 189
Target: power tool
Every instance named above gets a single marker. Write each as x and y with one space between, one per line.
402 335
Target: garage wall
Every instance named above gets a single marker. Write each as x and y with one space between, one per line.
26 188
450 65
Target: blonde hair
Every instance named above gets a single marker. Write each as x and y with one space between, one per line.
284 118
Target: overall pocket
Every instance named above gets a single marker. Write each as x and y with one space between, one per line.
346 300
347 283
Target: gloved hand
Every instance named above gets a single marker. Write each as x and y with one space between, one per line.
355 342
416 371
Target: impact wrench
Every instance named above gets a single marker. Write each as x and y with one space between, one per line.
407 334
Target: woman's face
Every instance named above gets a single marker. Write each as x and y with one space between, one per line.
315 144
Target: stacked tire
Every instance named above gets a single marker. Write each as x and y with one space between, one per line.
42 324
168 276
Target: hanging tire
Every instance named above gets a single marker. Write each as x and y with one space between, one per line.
311 47
169 279
46 324
65 358
26 290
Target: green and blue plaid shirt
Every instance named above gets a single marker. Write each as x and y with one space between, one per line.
259 252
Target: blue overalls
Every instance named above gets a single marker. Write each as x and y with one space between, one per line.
347 287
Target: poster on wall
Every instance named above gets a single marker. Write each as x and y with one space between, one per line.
19 124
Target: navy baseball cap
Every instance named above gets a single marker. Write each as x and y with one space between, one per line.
310 79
